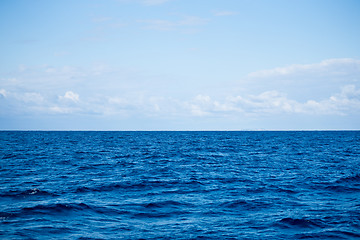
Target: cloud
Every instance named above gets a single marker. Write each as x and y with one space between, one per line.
25 97
21 102
345 102
302 82
271 102
61 110
268 103
32 97
47 79
143 105
70 96
3 93
118 101
100 90
342 66
203 105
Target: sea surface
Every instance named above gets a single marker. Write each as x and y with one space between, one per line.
180 185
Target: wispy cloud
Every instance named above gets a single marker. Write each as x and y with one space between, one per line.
329 66
204 105
347 101
305 81
80 93
270 103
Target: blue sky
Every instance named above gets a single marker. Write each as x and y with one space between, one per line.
179 64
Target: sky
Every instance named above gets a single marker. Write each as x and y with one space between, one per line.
179 65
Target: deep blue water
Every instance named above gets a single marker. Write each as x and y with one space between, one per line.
180 185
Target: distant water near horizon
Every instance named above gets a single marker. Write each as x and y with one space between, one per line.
180 185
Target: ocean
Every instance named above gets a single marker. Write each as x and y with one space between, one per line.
180 185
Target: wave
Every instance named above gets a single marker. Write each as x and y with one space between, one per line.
329 235
342 189
27 193
112 187
349 179
300 223
137 186
158 214
167 204
257 190
9 156
56 209
273 188
286 190
121 156
45 209
234 204
179 185
158 209
245 205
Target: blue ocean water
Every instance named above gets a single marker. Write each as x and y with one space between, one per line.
180 185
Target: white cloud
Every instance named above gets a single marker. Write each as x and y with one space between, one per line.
61 110
23 97
45 79
3 93
203 105
269 103
330 66
118 101
345 102
111 94
303 82
70 96
32 97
